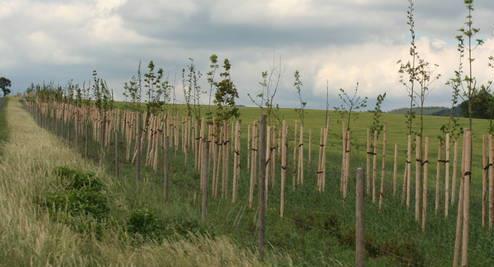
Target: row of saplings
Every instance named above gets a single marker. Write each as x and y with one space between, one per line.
81 201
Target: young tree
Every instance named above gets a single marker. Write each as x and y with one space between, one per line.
213 67
132 90
264 99
408 70
426 75
377 124
192 89
350 103
226 93
298 87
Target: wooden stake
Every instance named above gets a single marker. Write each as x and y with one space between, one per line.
459 215
491 181
368 164
236 162
446 176
284 147
485 173
455 172
395 169
359 220
261 174
204 173
408 170
383 169
418 174
438 177
374 167
467 176
426 183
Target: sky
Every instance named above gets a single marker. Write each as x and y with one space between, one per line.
334 43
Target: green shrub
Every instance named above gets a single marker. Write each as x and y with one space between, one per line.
79 199
145 224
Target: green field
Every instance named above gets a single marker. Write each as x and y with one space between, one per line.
318 228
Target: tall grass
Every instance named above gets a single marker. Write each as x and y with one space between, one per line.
28 236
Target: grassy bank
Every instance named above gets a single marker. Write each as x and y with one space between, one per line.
32 236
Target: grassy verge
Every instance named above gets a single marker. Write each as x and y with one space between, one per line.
3 121
30 235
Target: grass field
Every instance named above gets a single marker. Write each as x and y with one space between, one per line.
318 229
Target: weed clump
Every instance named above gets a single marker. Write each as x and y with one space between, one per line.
78 199
145 225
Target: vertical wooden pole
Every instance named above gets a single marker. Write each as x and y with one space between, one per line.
268 162
300 165
347 162
139 146
359 220
368 164
383 169
467 176
115 130
166 164
459 215
253 162
446 175
418 174
319 163
236 161
283 151
438 175
455 172
408 170
204 173
374 167
395 169
426 182
325 144
261 174
485 173
491 181
309 150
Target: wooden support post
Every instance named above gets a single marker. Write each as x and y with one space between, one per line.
455 172
467 176
438 178
359 220
283 151
166 161
425 187
485 173
368 164
253 162
395 169
261 174
408 170
418 175
204 173
236 161
139 146
383 169
374 167
491 181
446 175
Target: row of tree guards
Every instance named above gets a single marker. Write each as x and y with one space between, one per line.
215 150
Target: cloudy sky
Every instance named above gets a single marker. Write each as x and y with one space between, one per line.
339 42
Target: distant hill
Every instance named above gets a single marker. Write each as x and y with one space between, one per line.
427 110
435 111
